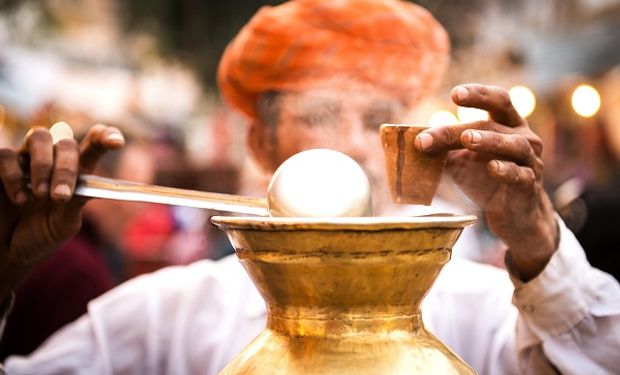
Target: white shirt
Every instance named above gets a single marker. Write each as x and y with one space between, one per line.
194 319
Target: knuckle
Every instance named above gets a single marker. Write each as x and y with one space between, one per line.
486 125
65 172
7 154
515 177
13 178
503 98
530 175
451 136
524 147
67 148
538 169
483 90
39 134
41 159
41 169
498 141
525 177
66 144
494 127
536 144
92 139
95 129
94 133
529 182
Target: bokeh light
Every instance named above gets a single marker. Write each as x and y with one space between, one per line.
586 100
442 117
523 100
466 114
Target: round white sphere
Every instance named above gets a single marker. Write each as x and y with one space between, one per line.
319 183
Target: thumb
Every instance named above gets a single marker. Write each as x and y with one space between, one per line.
99 139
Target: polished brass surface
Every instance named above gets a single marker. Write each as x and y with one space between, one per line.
343 295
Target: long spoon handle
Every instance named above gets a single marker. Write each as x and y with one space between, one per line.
109 188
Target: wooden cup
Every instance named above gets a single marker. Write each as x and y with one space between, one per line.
413 176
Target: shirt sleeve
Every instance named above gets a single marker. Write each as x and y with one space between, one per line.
569 316
179 320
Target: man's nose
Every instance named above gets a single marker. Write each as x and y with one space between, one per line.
356 145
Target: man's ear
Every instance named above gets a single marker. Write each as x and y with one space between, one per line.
262 148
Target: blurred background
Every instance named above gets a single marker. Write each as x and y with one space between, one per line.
149 66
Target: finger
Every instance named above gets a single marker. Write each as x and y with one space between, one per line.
13 178
492 99
98 141
447 138
509 173
64 175
38 146
512 147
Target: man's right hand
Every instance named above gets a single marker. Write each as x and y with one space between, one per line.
36 219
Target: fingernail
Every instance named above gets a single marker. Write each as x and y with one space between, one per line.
461 93
59 131
43 188
62 191
425 141
20 198
500 167
115 137
474 136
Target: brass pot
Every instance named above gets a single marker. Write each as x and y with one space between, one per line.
343 295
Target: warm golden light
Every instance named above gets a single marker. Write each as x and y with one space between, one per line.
523 100
442 117
586 101
466 114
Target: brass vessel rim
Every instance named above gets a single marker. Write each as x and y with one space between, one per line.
344 223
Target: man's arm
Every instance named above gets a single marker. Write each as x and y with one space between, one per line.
569 312
569 315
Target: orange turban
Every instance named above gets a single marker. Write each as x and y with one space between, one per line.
393 44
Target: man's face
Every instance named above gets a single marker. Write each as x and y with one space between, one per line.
347 119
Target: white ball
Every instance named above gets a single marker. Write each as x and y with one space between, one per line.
319 183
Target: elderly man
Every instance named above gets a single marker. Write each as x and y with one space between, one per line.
308 74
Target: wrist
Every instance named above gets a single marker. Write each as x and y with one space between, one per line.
527 257
12 273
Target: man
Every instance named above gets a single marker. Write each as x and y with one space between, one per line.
308 74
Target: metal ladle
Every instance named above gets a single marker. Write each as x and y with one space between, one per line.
313 183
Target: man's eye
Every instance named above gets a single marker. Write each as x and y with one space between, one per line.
374 119
320 116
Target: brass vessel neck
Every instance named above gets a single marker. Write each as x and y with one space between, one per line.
343 325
